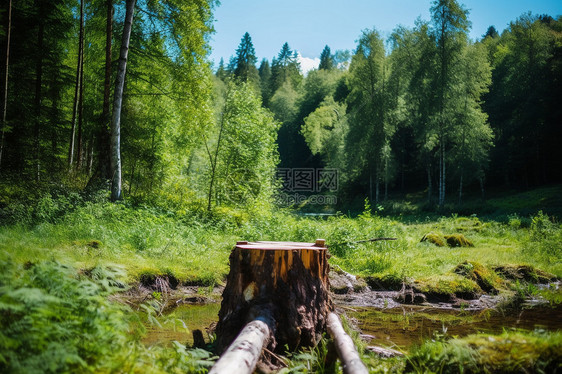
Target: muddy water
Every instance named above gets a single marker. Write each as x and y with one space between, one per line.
399 327
405 326
199 316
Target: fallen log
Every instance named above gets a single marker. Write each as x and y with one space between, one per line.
349 357
243 354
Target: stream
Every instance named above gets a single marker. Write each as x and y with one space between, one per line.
398 327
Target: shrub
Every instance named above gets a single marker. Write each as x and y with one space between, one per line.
53 321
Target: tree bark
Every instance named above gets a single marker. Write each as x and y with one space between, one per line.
288 281
350 360
116 191
5 101
77 90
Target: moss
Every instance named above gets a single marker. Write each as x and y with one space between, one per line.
486 279
385 282
447 288
433 238
526 273
454 240
458 240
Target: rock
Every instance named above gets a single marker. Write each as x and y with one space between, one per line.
341 282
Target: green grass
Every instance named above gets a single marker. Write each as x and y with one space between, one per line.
87 236
194 247
510 352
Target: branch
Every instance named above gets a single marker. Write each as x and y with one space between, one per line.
363 241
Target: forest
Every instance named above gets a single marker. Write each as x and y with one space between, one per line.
130 165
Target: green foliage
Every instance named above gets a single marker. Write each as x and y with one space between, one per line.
545 237
324 131
54 321
243 161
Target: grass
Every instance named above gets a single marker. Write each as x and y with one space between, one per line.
510 352
192 247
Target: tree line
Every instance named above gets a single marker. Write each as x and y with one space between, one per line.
427 109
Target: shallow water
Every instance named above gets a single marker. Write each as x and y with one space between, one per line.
399 327
410 325
195 316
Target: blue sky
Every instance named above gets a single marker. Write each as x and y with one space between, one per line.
309 25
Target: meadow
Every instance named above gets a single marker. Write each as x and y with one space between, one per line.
68 253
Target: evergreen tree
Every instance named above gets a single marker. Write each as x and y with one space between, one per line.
285 68
326 59
245 66
265 81
221 71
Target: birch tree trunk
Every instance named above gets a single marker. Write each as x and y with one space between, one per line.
5 103
116 191
349 357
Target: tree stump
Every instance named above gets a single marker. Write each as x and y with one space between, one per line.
285 281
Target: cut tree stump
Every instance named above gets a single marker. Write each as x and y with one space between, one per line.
286 281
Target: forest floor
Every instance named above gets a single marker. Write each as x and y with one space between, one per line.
499 254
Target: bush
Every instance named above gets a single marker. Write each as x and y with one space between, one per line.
544 237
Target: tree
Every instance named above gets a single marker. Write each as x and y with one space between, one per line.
473 136
245 69
116 192
522 102
221 71
369 129
285 68
324 131
450 27
326 59
490 33
78 88
104 164
6 75
244 158
265 81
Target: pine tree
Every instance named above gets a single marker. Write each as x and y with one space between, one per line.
245 68
326 59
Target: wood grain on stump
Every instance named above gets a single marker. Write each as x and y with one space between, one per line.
285 280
